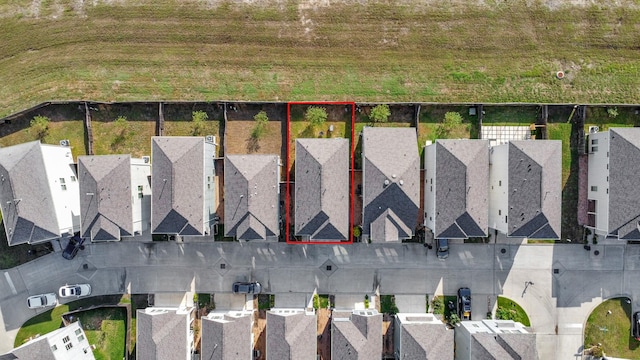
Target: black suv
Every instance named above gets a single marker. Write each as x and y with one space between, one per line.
74 245
464 303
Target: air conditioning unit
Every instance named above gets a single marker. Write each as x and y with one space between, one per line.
593 129
64 142
146 159
210 139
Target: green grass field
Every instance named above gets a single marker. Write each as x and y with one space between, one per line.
613 330
302 50
106 329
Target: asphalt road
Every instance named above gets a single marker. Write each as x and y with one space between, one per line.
558 303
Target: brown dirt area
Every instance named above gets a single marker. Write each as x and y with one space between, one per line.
324 333
239 140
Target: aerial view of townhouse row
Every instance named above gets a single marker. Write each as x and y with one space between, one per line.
212 254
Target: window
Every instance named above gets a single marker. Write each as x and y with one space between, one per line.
431 181
66 339
68 346
140 195
80 338
594 142
73 178
499 212
78 331
431 188
61 180
139 188
594 188
63 186
607 191
505 218
594 149
499 182
607 179
54 348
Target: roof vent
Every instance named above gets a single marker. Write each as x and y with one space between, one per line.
401 182
386 182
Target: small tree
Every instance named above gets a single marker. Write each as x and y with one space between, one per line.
316 115
198 118
612 111
454 319
40 124
451 120
380 113
260 127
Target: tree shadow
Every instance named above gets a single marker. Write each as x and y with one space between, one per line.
252 144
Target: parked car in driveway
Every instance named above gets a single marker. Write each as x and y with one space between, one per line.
75 244
464 303
75 290
247 288
42 300
442 248
635 326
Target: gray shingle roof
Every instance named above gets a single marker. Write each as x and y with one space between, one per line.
624 197
391 192
358 338
161 336
322 189
27 205
291 337
178 185
34 350
535 193
251 196
426 341
462 188
226 339
106 212
485 346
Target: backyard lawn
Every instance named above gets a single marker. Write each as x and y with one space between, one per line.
186 128
134 138
613 330
72 130
562 131
239 140
106 329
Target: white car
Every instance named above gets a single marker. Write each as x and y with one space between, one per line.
42 300
75 290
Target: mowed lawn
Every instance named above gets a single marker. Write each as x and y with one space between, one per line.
302 50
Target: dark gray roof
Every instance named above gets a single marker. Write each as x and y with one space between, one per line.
291 337
357 338
624 196
27 205
391 192
426 341
105 196
535 193
322 189
177 185
486 346
161 335
251 196
38 349
229 338
462 188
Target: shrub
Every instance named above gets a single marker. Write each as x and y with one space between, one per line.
260 127
198 118
451 120
613 112
316 115
40 124
380 113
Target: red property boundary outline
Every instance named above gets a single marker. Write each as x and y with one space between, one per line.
352 178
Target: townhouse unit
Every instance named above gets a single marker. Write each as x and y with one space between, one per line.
39 192
251 197
291 334
525 179
183 185
456 188
421 337
65 343
613 196
164 333
227 335
391 184
356 334
115 196
494 339
322 189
